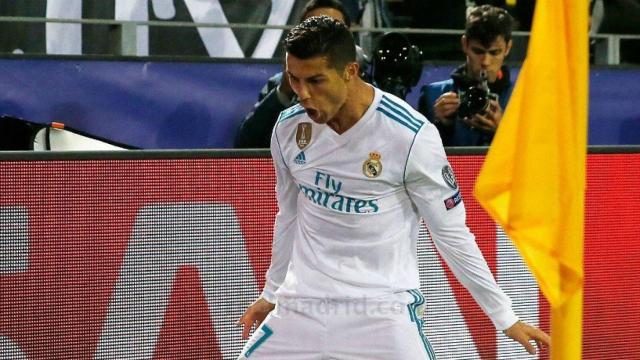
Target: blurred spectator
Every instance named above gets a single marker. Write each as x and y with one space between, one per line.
471 4
623 17
396 65
277 95
521 10
467 108
431 14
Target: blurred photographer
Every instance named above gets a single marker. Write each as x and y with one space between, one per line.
467 108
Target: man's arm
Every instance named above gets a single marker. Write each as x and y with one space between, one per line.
439 104
433 190
283 234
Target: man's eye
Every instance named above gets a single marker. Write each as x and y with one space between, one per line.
478 51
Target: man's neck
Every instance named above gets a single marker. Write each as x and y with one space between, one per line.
360 98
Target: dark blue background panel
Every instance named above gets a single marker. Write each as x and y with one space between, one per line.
177 105
155 105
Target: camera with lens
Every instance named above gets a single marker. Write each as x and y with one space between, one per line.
397 64
475 98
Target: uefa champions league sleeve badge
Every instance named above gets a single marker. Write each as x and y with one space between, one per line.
449 178
372 167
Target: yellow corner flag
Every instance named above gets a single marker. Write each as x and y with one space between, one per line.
533 179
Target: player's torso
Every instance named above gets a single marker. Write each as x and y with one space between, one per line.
356 174
355 220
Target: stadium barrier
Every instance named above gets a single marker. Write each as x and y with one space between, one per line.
155 254
124 36
157 104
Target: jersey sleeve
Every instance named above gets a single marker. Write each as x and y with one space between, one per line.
285 222
434 191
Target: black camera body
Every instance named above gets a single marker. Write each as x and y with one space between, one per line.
476 98
397 64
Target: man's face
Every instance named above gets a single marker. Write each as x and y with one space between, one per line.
489 59
321 89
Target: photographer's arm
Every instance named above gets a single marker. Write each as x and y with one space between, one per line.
445 106
429 96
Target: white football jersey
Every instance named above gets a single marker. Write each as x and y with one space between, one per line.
350 206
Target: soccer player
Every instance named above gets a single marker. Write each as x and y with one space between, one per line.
356 170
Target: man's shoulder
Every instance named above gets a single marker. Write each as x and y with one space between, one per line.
443 85
290 117
430 92
400 117
405 124
276 79
287 124
272 83
289 114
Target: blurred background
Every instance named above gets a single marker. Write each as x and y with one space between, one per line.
184 73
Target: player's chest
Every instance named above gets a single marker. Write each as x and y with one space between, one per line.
358 167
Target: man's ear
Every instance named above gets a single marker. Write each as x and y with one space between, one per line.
463 43
509 44
351 70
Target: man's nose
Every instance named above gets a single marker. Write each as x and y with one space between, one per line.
303 92
485 60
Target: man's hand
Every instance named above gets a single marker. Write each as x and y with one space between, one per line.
487 121
445 106
524 333
255 313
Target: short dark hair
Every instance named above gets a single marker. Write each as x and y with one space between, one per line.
322 36
332 4
485 23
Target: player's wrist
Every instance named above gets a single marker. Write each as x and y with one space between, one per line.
268 295
504 319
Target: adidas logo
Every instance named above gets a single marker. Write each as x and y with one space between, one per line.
300 159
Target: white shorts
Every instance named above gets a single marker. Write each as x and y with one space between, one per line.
385 328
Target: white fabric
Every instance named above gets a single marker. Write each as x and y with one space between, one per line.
384 328
63 140
340 234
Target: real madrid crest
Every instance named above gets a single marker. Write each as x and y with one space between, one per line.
303 135
372 167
